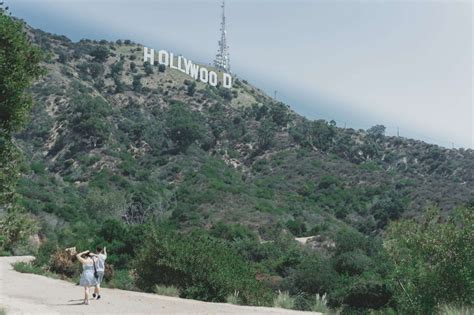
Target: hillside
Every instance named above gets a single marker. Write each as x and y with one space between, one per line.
221 195
110 136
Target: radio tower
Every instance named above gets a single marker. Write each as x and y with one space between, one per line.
222 61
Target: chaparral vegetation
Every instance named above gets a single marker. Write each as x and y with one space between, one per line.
221 194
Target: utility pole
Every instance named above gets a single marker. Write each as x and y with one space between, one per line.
398 132
222 61
275 95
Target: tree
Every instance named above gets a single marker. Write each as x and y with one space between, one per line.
184 126
63 57
348 240
117 68
321 134
225 93
313 275
89 120
318 134
148 68
99 84
137 84
296 227
15 227
119 86
100 54
266 134
376 131
279 114
19 66
191 88
390 206
96 69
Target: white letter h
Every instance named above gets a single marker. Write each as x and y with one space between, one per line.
149 55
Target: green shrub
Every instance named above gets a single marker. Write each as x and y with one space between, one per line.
352 263
184 125
116 68
15 228
122 280
349 240
313 275
45 252
296 227
137 84
233 232
148 68
434 260
279 113
362 292
166 290
26 267
100 53
89 118
266 134
191 88
168 258
121 241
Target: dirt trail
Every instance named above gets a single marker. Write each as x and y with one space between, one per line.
32 294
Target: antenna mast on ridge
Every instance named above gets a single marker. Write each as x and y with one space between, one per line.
222 61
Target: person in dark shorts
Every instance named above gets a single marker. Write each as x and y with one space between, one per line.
99 259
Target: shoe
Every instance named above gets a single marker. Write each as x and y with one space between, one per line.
93 295
86 302
98 297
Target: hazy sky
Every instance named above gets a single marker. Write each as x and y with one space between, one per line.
406 64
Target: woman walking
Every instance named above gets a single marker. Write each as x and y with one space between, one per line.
87 276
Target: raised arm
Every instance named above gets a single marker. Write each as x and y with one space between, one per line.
79 256
105 251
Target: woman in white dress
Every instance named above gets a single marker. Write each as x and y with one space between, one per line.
88 278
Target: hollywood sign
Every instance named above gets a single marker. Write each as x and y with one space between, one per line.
188 67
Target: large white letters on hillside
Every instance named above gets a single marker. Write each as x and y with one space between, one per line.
184 65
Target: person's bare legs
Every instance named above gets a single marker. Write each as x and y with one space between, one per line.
86 295
97 289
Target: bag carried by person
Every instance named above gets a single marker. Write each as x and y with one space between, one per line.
96 274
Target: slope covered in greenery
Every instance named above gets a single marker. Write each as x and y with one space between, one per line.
155 166
110 136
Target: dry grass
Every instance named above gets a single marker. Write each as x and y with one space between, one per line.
284 300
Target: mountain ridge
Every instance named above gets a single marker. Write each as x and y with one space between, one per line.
103 117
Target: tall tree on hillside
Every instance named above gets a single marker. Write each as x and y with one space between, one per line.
19 66
376 131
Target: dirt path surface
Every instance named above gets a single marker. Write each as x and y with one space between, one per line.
32 294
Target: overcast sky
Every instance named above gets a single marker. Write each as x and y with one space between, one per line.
406 64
